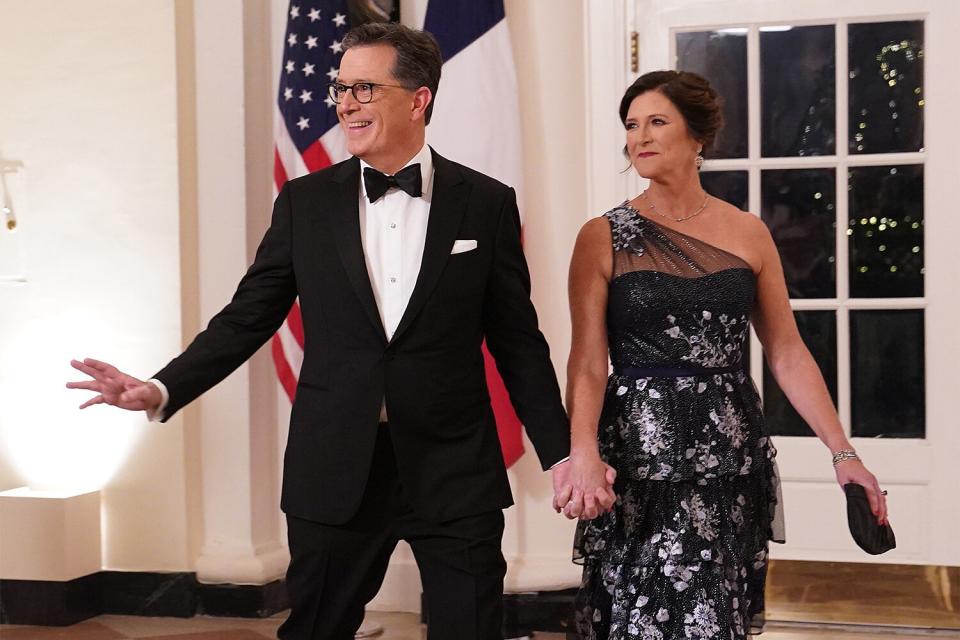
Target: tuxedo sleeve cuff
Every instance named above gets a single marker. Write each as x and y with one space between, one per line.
559 462
158 414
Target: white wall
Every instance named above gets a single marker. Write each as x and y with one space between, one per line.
89 108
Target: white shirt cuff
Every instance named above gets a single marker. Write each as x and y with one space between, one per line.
158 414
559 462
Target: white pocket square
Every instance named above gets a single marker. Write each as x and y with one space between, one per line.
459 246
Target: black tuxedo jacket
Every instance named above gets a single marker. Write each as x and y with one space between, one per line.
431 373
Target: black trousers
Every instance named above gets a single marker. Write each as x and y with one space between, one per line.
335 570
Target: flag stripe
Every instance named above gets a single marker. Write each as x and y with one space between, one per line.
279 173
289 155
287 378
457 24
316 157
295 324
509 427
292 350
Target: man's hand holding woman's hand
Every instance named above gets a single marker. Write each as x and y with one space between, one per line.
583 486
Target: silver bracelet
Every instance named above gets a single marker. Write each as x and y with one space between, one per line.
844 454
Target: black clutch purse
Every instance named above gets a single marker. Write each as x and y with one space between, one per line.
871 537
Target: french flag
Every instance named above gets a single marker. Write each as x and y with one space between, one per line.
476 122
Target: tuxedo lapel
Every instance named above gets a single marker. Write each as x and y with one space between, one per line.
346 224
450 193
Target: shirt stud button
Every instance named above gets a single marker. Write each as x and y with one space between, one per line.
393 225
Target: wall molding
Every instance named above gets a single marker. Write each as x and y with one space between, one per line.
606 73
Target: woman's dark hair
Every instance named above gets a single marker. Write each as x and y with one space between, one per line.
418 54
693 96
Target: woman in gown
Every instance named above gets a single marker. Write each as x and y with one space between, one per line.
669 283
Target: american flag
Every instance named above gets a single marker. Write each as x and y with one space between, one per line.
307 135
472 34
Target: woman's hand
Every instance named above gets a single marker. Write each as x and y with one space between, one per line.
853 471
583 487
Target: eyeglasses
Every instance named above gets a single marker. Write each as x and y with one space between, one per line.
362 91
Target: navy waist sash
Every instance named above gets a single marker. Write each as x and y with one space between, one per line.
674 372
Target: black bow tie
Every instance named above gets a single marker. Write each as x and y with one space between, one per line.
377 184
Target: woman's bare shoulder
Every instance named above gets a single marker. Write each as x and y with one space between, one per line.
595 233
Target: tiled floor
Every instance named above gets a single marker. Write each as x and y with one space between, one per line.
397 626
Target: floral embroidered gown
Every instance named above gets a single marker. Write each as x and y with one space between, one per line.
683 554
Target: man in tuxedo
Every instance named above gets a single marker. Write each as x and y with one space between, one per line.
404 262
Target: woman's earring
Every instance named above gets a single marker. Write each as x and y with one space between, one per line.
699 160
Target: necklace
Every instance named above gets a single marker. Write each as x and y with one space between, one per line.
651 207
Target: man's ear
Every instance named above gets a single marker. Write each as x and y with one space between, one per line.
422 98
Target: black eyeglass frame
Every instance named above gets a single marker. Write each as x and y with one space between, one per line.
337 90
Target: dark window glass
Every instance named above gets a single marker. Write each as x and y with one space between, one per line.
887 378
886 231
886 86
798 208
721 58
797 91
729 186
819 332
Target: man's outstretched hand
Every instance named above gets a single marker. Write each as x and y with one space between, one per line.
115 387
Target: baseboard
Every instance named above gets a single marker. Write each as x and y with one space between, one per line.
49 603
544 611
140 593
173 595
242 601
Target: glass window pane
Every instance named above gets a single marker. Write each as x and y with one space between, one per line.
819 332
887 378
886 86
798 207
729 186
721 58
797 91
886 231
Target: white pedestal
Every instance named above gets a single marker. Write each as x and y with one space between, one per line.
49 535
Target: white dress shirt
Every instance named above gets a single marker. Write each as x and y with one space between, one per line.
393 232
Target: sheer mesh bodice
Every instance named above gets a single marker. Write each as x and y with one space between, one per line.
639 244
700 297
683 553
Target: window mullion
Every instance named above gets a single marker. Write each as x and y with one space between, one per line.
753 168
843 216
753 103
